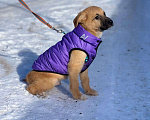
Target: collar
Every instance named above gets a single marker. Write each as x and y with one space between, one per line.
87 36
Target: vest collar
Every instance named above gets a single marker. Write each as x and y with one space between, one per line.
87 36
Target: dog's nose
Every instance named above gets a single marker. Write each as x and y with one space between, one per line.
110 22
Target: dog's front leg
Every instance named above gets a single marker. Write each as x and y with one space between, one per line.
75 65
85 83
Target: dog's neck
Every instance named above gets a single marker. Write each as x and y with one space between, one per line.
98 34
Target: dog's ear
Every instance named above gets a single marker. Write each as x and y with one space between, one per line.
80 18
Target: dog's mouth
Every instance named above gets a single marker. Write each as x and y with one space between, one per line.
103 28
106 24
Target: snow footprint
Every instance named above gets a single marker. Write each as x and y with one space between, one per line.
5 67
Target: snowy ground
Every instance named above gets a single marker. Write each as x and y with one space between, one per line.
120 73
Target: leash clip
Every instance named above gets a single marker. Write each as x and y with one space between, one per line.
58 31
40 18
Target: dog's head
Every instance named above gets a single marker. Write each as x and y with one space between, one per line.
94 20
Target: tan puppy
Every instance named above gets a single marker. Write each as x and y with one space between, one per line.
92 19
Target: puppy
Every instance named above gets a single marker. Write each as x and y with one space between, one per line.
71 56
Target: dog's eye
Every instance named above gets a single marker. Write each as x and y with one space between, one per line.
97 17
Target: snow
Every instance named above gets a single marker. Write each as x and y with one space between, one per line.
120 72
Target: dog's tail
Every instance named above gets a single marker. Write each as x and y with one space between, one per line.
24 80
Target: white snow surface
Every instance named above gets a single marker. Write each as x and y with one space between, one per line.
120 73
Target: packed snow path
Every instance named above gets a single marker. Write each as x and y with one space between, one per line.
120 72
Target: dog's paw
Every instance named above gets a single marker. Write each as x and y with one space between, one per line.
80 97
39 93
83 97
92 92
42 95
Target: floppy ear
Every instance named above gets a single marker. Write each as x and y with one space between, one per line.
79 18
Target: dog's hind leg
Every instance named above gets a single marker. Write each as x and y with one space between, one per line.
38 87
39 82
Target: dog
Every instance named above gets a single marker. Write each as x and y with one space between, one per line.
71 56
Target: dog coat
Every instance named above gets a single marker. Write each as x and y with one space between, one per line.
56 58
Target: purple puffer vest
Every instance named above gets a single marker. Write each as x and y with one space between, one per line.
56 58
